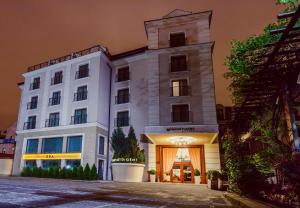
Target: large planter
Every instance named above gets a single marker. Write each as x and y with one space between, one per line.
167 178
152 178
197 179
212 184
128 172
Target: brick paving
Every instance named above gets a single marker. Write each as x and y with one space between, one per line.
57 193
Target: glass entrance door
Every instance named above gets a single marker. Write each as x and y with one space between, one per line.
182 172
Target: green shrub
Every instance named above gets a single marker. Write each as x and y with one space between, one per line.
62 173
69 173
45 173
74 173
56 172
86 173
213 174
152 172
196 172
93 173
80 174
51 173
40 172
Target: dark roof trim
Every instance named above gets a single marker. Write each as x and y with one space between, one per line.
20 83
129 53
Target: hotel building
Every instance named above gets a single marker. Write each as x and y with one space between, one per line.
70 105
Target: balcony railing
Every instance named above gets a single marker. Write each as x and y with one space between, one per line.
68 57
180 91
79 119
54 101
56 80
174 67
31 105
34 85
122 121
181 116
29 125
52 122
78 96
120 99
81 74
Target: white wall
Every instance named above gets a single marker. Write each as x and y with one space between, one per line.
212 157
6 166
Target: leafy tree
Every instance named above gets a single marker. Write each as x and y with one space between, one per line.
93 173
87 171
80 174
118 143
133 143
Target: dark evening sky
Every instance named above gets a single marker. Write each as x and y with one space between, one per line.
34 31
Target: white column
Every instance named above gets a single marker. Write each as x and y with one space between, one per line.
45 94
66 95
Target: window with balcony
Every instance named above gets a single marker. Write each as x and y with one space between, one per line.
57 78
123 74
123 96
82 72
179 88
35 84
30 124
55 100
81 93
177 39
101 145
122 119
33 103
52 145
178 63
32 146
80 116
74 144
53 120
180 113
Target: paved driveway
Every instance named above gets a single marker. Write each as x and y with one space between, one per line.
35 192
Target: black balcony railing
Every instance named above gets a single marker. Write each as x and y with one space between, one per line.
29 125
122 99
52 122
181 116
79 119
80 96
81 74
180 91
34 85
122 121
31 105
56 80
54 101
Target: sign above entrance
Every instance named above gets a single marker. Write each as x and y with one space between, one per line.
180 129
55 156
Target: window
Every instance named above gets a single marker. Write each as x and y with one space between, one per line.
80 116
179 88
178 63
177 39
30 163
72 163
52 145
33 103
123 74
82 72
122 119
51 163
180 113
35 84
53 120
57 79
30 124
74 144
81 93
123 96
55 100
101 145
32 146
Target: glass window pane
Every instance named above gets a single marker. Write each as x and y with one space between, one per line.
52 145
101 145
72 163
74 144
30 163
51 163
32 146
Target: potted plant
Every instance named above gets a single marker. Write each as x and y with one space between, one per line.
152 175
222 179
197 176
212 176
128 160
167 176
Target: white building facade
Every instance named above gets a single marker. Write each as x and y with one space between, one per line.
71 105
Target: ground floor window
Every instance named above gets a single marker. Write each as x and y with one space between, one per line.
51 163
32 146
52 145
74 144
30 163
72 163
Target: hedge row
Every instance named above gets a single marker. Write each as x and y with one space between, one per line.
76 173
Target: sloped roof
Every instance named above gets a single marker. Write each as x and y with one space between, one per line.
177 12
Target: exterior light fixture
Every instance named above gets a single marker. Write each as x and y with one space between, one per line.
181 140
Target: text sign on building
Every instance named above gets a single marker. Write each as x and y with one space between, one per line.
180 129
56 156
